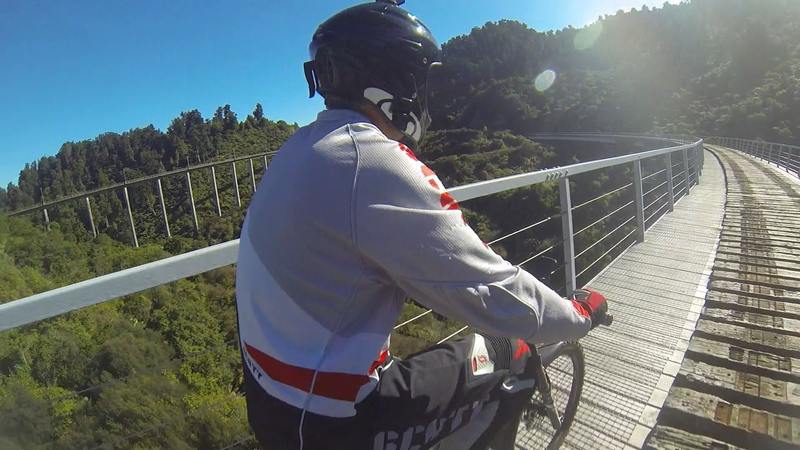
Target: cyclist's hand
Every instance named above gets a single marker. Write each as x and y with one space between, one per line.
591 304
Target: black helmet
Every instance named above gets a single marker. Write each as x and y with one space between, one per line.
378 52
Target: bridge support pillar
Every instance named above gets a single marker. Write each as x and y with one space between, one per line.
46 218
163 207
252 175
191 201
236 185
567 235
638 200
130 217
216 191
91 217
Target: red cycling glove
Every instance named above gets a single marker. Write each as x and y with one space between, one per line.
591 304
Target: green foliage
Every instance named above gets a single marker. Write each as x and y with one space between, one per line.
159 369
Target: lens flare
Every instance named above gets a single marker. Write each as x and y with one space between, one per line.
586 37
544 80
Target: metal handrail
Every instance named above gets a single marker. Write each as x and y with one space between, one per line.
489 187
784 156
129 281
134 182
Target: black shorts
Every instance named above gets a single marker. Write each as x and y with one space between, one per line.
442 392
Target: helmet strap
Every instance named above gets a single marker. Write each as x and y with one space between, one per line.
311 78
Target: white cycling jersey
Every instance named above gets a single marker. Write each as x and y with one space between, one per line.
347 224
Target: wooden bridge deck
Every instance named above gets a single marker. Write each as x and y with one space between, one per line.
656 291
739 385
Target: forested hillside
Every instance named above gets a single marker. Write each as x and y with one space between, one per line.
160 369
709 67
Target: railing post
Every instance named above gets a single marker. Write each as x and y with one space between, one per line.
191 201
670 187
216 190
163 207
686 169
236 185
266 164
91 217
567 235
698 167
253 175
782 157
130 217
638 200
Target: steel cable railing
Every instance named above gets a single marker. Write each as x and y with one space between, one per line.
600 197
523 229
602 219
655 213
650 205
654 174
655 188
784 156
154 182
605 253
606 236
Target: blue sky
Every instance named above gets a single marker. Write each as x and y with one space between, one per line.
73 69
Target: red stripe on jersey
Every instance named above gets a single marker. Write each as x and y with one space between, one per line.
448 201
338 386
407 151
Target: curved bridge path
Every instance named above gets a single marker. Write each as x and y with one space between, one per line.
739 385
656 291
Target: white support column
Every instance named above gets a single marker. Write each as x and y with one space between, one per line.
236 185
46 219
91 217
216 191
130 217
568 235
638 200
191 201
253 175
163 207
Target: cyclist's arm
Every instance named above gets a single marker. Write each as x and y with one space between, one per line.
409 228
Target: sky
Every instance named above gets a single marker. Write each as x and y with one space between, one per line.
70 70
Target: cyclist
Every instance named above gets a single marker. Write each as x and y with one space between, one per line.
346 224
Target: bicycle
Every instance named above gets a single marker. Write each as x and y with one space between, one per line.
560 370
